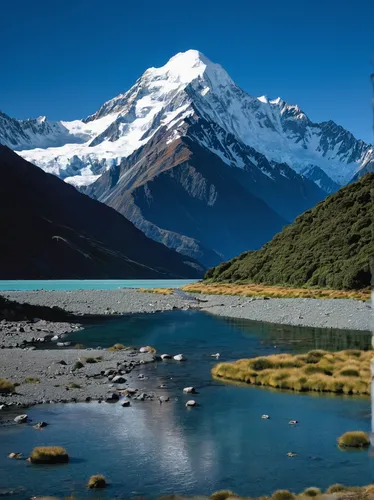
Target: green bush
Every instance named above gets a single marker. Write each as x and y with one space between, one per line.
327 246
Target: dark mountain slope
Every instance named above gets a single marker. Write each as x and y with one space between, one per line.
50 230
184 190
330 245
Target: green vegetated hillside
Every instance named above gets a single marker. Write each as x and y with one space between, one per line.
330 245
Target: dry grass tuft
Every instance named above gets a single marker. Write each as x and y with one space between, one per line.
49 455
283 495
6 387
160 291
311 492
343 372
32 380
253 290
96 482
222 495
116 347
354 439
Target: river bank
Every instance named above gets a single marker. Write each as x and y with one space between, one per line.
319 313
69 375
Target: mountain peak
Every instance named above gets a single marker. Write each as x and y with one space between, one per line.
185 67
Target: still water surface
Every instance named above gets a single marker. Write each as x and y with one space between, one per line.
152 449
88 284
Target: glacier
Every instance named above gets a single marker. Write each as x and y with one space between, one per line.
189 84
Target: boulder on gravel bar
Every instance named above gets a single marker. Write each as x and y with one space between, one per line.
111 397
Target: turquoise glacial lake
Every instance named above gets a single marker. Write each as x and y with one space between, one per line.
152 449
7 285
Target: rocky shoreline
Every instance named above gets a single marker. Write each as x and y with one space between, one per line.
345 314
72 374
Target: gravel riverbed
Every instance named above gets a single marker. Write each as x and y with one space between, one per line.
320 313
52 374
55 376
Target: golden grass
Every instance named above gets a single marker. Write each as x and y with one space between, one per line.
116 347
96 482
336 491
253 290
49 455
343 372
6 386
161 291
222 495
311 492
354 439
283 495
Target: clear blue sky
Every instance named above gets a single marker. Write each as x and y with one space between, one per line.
64 58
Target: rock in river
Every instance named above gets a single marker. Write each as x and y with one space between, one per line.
191 402
165 356
189 390
21 419
40 425
179 357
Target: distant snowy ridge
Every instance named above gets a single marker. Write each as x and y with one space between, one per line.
168 97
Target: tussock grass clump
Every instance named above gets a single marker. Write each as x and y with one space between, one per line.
222 495
73 385
116 347
354 439
273 291
343 372
91 360
6 386
311 492
78 365
283 495
32 380
336 488
49 455
160 291
96 482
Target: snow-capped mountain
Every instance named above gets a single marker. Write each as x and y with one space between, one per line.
189 83
193 160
